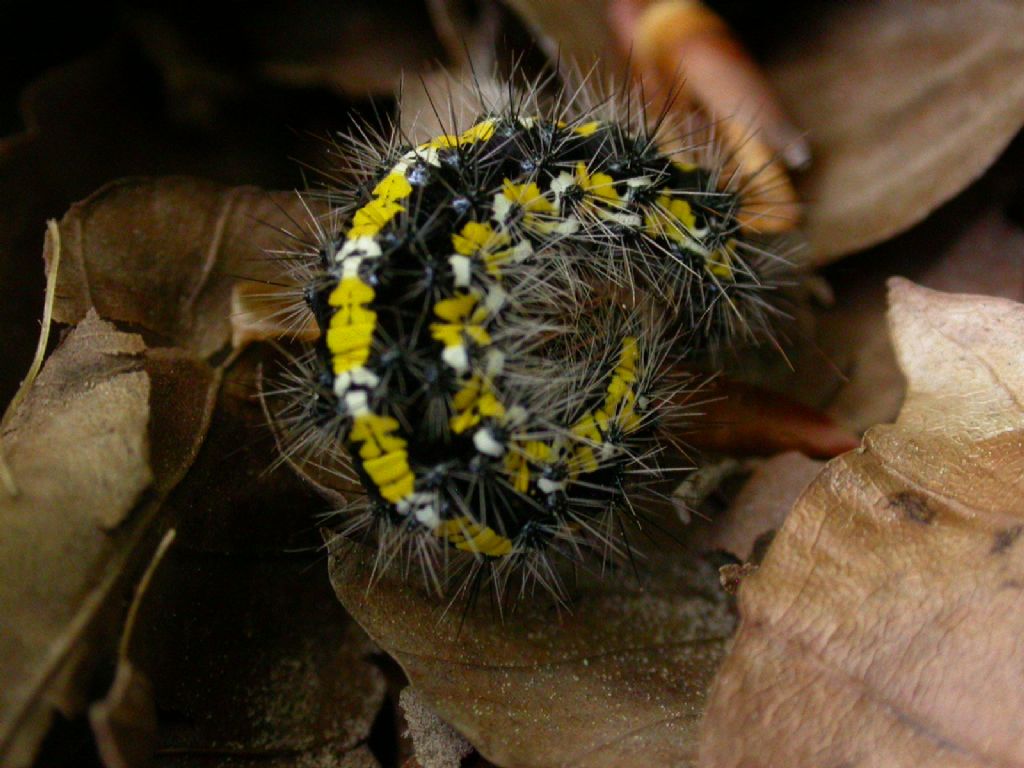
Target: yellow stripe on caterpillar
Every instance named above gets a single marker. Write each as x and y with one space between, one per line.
719 263
470 536
672 218
479 241
538 214
392 188
372 217
482 131
600 195
384 455
474 402
587 129
463 318
618 410
350 333
517 462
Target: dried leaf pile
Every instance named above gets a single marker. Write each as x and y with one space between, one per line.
166 593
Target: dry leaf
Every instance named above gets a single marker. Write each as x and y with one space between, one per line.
437 744
884 626
164 255
356 48
762 504
972 248
618 681
125 722
258 507
570 31
905 104
743 420
83 449
181 253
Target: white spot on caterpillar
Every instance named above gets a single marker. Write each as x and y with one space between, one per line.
456 357
631 220
350 266
495 299
500 209
569 225
461 269
428 516
516 415
421 506
561 184
361 376
357 403
522 250
486 443
495 363
342 382
547 485
366 247
364 377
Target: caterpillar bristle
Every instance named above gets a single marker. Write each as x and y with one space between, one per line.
510 315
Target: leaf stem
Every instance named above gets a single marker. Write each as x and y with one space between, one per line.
6 476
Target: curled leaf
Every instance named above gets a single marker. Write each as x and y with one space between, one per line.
88 449
762 504
125 722
884 625
618 681
740 419
436 743
905 104
974 248
164 254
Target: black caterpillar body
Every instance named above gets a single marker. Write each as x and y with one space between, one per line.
496 309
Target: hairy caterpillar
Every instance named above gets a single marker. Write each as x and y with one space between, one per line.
501 310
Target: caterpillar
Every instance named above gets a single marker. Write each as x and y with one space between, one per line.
503 311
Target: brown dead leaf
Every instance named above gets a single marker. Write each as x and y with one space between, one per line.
970 248
89 450
570 31
357 48
905 104
762 504
884 626
618 681
164 254
743 420
436 743
259 507
125 722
